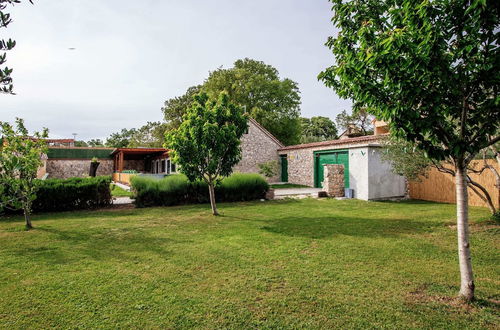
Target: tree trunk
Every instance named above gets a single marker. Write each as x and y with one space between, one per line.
464 257
211 190
27 218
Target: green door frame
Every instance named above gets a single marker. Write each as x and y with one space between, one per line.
284 168
317 154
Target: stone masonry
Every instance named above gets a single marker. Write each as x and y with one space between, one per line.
69 168
258 146
334 180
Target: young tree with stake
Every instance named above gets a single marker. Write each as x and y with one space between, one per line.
20 158
430 69
207 143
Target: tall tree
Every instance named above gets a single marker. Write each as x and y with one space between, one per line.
6 85
120 139
95 143
258 89
151 135
207 143
359 118
317 129
20 158
429 69
176 107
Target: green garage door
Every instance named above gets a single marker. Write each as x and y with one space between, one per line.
330 157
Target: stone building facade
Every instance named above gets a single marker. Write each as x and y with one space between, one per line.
258 146
69 168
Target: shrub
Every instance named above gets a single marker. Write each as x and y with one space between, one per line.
177 190
73 194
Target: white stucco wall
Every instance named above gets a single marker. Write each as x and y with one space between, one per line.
358 172
382 182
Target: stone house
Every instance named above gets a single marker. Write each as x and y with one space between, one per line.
258 146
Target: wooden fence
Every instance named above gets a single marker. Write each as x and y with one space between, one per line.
440 187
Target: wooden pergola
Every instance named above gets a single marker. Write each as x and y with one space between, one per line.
122 154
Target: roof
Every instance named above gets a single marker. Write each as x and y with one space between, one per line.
139 151
355 140
265 131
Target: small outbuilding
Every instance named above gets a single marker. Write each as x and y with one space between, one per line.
364 171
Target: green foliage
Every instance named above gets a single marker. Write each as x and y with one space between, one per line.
175 108
177 189
207 144
20 158
120 139
95 143
56 195
69 152
429 68
317 129
5 45
360 119
269 169
117 191
81 143
258 89
151 135
405 158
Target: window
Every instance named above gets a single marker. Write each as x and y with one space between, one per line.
168 166
172 167
163 166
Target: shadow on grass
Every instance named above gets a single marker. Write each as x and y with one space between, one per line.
326 227
124 244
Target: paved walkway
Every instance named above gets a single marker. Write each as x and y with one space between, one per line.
121 185
296 193
122 200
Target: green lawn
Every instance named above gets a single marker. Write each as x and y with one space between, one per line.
282 264
288 185
117 191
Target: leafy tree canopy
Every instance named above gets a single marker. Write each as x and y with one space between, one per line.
20 159
120 139
258 89
95 143
359 119
317 129
151 135
207 143
429 69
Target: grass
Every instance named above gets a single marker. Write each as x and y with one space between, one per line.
281 264
117 191
288 185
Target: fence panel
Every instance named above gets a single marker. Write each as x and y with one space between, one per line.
440 187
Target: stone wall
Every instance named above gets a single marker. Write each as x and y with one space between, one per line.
133 164
257 147
333 184
301 162
69 168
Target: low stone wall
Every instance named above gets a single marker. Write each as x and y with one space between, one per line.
333 184
69 168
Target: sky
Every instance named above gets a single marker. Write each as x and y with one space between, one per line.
131 56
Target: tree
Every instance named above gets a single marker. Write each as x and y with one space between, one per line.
20 158
81 143
359 118
207 143
151 135
411 162
258 89
120 139
176 107
95 143
269 169
429 69
6 85
317 129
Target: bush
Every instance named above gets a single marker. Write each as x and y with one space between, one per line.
73 194
177 190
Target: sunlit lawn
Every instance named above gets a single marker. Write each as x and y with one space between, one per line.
283 264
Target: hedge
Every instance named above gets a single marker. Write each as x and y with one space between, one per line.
176 190
73 194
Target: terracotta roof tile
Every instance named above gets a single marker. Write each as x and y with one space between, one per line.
355 140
